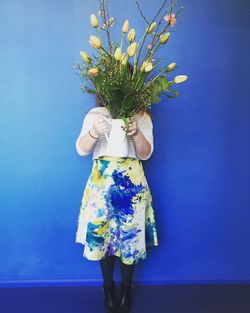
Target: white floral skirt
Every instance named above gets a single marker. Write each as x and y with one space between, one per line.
116 215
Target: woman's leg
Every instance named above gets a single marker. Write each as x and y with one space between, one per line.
125 299
107 268
127 271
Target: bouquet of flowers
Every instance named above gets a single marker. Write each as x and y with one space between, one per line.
126 76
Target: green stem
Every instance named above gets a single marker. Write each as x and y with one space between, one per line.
122 40
134 69
121 47
106 52
135 57
99 36
152 80
152 53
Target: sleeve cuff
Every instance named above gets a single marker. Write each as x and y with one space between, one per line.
79 149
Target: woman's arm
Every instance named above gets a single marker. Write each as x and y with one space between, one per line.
142 146
142 137
92 128
87 142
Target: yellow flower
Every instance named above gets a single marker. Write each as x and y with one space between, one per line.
150 28
85 57
148 67
131 35
125 26
95 42
142 68
180 79
171 66
93 20
118 54
132 48
164 38
93 71
124 59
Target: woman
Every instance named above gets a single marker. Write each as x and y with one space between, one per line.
116 217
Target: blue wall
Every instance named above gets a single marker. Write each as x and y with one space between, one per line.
199 172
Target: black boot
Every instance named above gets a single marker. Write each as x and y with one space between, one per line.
110 301
125 300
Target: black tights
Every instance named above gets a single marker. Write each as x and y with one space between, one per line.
107 268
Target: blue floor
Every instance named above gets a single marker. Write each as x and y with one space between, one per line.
146 299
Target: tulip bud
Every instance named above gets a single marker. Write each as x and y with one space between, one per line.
93 71
171 66
95 42
164 38
93 20
132 48
142 68
125 26
124 59
111 21
85 57
118 54
180 79
131 35
150 28
148 67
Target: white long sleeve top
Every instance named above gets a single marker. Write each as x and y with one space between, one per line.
144 123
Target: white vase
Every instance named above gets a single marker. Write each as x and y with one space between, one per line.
117 141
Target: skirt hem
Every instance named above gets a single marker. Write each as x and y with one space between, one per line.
123 260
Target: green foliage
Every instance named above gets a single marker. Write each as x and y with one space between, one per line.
120 93
122 88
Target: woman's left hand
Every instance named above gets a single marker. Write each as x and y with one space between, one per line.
132 128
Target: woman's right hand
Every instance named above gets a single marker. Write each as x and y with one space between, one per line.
100 126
